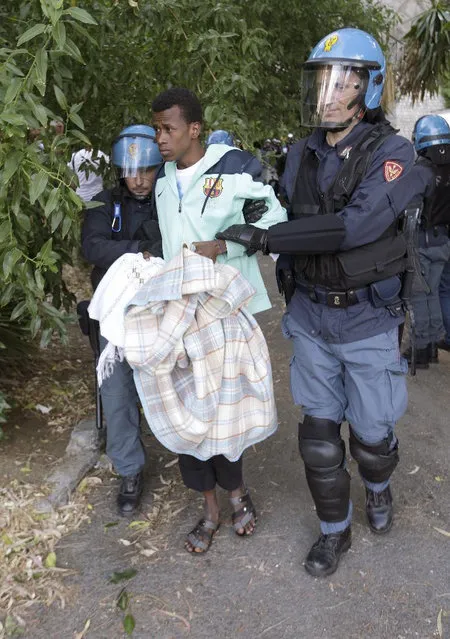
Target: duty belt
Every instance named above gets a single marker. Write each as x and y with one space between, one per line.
335 299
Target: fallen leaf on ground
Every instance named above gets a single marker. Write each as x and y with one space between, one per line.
129 624
43 409
414 470
116 577
443 532
82 634
50 560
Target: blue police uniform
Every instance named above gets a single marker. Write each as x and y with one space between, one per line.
431 139
345 249
346 363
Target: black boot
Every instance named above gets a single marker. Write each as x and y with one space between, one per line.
129 494
422 357
379 510
324 556
433 355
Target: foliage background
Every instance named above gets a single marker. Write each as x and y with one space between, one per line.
96 65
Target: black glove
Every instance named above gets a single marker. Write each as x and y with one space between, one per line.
253 238
253 210
284 271
149 230
145 245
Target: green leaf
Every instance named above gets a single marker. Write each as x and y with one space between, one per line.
40 112
72 49
123 600
7 295
13 118
81 15
92 204
39 278
24 220
35 325
81 136
11 165
46 337
18 310
10 259
31 33
76 120
67 223
51 202
13 90
15 70
38 183
116 577
59 34
60 98
45 251
50 560
57 216
41 70
129 624
5 230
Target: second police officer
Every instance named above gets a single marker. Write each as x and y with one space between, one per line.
431 139
124 224
347 185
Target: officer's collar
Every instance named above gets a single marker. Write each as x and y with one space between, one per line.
317 140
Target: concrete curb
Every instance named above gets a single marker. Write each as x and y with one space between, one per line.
82 453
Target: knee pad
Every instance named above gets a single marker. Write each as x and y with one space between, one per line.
377 461
323 453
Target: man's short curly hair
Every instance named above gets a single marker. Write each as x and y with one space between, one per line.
177 96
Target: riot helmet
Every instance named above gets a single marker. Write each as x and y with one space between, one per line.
342 79
220 137
430 130
135 149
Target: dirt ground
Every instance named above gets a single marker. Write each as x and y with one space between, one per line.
391 587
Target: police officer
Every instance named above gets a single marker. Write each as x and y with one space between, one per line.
124 224
347 185
220 137
431 137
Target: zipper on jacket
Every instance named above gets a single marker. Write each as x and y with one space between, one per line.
179 207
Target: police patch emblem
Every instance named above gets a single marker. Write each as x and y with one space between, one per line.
213 187
330 42
133 150
392 170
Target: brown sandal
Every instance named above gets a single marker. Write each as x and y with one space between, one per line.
201 536
244 515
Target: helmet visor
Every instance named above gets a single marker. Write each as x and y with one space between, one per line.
133 154
331 94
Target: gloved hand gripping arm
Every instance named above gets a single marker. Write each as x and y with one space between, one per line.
307 236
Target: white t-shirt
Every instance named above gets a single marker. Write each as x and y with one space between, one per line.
184 177
90 183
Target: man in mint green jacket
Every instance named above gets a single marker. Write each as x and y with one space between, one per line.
197 194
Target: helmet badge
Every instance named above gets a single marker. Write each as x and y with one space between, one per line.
330 42
133 150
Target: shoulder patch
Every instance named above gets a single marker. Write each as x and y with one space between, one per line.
392 170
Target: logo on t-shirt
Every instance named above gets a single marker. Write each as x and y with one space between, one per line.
213 187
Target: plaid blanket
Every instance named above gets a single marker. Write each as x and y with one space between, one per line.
201 363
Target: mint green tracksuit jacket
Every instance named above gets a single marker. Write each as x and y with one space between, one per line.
224 179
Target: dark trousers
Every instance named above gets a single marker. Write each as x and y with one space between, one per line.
204 475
